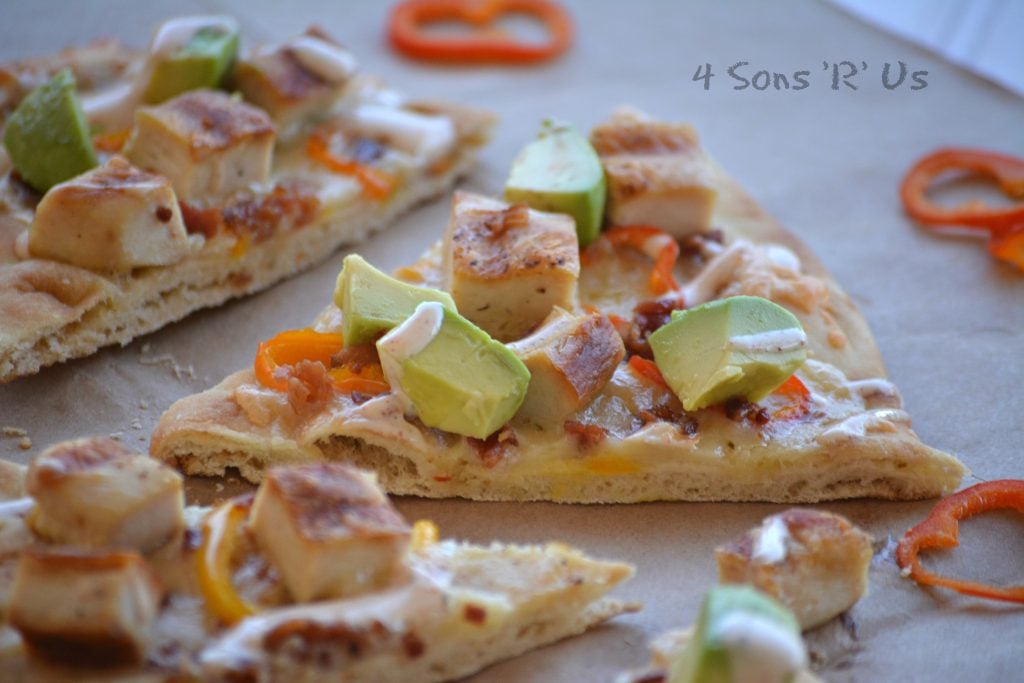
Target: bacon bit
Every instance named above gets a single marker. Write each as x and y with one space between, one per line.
309 385
941 528
496 447
739 409
474 614
667 412
111 143
695 245
198 221
260 217
648 316
587 435
413 646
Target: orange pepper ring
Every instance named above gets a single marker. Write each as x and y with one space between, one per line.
408 19
213 560
290 347
940 530
1006 170
374 182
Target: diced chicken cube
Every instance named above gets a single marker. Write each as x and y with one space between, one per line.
330 531
80 608
114 217
95 493
657 174
507 267
208 143
297 80
570 360
815 563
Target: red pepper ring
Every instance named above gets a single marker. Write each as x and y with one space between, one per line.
1006 170
940 530
406 30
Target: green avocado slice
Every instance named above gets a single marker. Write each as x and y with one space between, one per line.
453 373
740 346
373 302
741 630
202 62
560 172
47 136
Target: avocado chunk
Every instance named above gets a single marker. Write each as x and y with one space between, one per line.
47 136
373 302
202 61
741 635
451 373
560 172
740 346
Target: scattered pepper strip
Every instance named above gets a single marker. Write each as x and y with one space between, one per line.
940 530
213 561
1005 225
409 34
375 183
111 143
292 346
799 397
648 370
655 243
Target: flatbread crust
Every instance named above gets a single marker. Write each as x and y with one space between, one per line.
55 311
856 443
459 607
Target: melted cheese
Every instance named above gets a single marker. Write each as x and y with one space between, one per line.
719 272
872 421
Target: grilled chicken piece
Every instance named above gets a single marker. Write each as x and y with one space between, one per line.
329 529
570 360
815 563
208 143
296 80
114 217
81 608
507 267
657 174
95 493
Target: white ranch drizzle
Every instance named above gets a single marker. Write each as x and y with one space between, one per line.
778 341
879 420
16 507
759 649
425 137
867 388
770 546
719 272
782 256
330 62
405 341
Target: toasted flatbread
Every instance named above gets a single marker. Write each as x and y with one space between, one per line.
630 441
57 305
445 609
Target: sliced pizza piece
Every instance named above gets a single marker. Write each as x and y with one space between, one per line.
316 577
217 195
761 380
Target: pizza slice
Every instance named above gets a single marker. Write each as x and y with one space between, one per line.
702 354
215 173
316 577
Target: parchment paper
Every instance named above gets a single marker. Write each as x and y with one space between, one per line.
949 320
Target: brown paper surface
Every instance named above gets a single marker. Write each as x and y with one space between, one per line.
827 163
